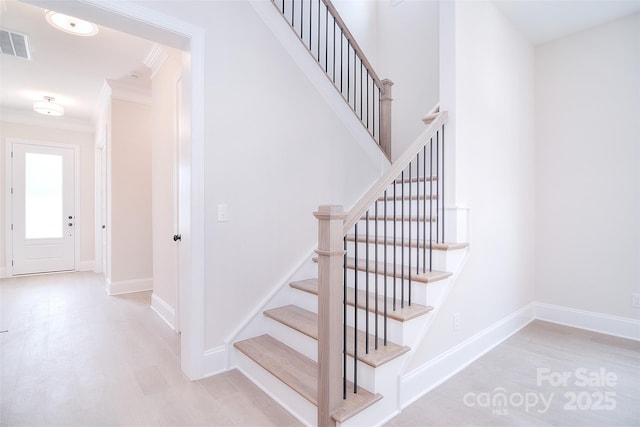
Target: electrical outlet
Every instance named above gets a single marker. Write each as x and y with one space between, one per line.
456 322
636 300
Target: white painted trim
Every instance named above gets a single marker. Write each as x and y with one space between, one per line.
129 93
420 381
167 30
86 266
29 117
155 59
597 322
214 361
3 272
77 220
129 286
163 310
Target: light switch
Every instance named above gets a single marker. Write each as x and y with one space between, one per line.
223 213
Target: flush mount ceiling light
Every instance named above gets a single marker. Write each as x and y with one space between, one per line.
48 107
71 25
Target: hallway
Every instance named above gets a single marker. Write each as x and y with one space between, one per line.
74 356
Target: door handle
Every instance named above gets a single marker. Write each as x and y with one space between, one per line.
177 237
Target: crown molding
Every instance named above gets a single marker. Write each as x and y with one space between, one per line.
155 59
31 118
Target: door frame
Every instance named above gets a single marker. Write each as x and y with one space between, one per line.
9 199
142 21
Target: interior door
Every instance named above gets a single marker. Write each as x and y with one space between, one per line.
43 217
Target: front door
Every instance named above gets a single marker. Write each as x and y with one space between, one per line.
43 217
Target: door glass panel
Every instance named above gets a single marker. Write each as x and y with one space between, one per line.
43 196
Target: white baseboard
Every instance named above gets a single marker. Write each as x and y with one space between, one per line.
163 310
214 361
591 321
128 286
420 381
86 266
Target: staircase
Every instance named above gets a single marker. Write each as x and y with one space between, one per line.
330 347
392 269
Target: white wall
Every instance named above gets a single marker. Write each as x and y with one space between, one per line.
85 218
163 172
408 52
401 42
588 169
494 90
130 163
274 151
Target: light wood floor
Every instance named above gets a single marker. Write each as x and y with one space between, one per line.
75 357
570 377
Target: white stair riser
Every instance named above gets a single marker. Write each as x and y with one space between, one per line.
419 290
296 340
412 229
377 379
289 399
416 205
402 254
305 300
397 332
431 187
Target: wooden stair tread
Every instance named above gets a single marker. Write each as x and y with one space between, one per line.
413 242
399 218
401 271
399 197
306 322
403 314
415 179
300 373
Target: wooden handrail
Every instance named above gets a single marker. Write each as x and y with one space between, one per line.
352 41
355 214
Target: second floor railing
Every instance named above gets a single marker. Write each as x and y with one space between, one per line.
327 38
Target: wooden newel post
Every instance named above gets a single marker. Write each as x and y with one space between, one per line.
385 116
330 295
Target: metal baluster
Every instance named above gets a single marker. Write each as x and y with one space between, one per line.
361 65
376 275
443 179
410 233
402 242
438 187
334 50
366 302
394 246
326 38
344 322
424 209
355 316
385 265
431 204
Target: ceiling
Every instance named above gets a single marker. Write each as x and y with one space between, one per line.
70 68
73 69
541 21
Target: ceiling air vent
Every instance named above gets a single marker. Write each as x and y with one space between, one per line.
14 44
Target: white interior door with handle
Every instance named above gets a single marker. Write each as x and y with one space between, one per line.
43 201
